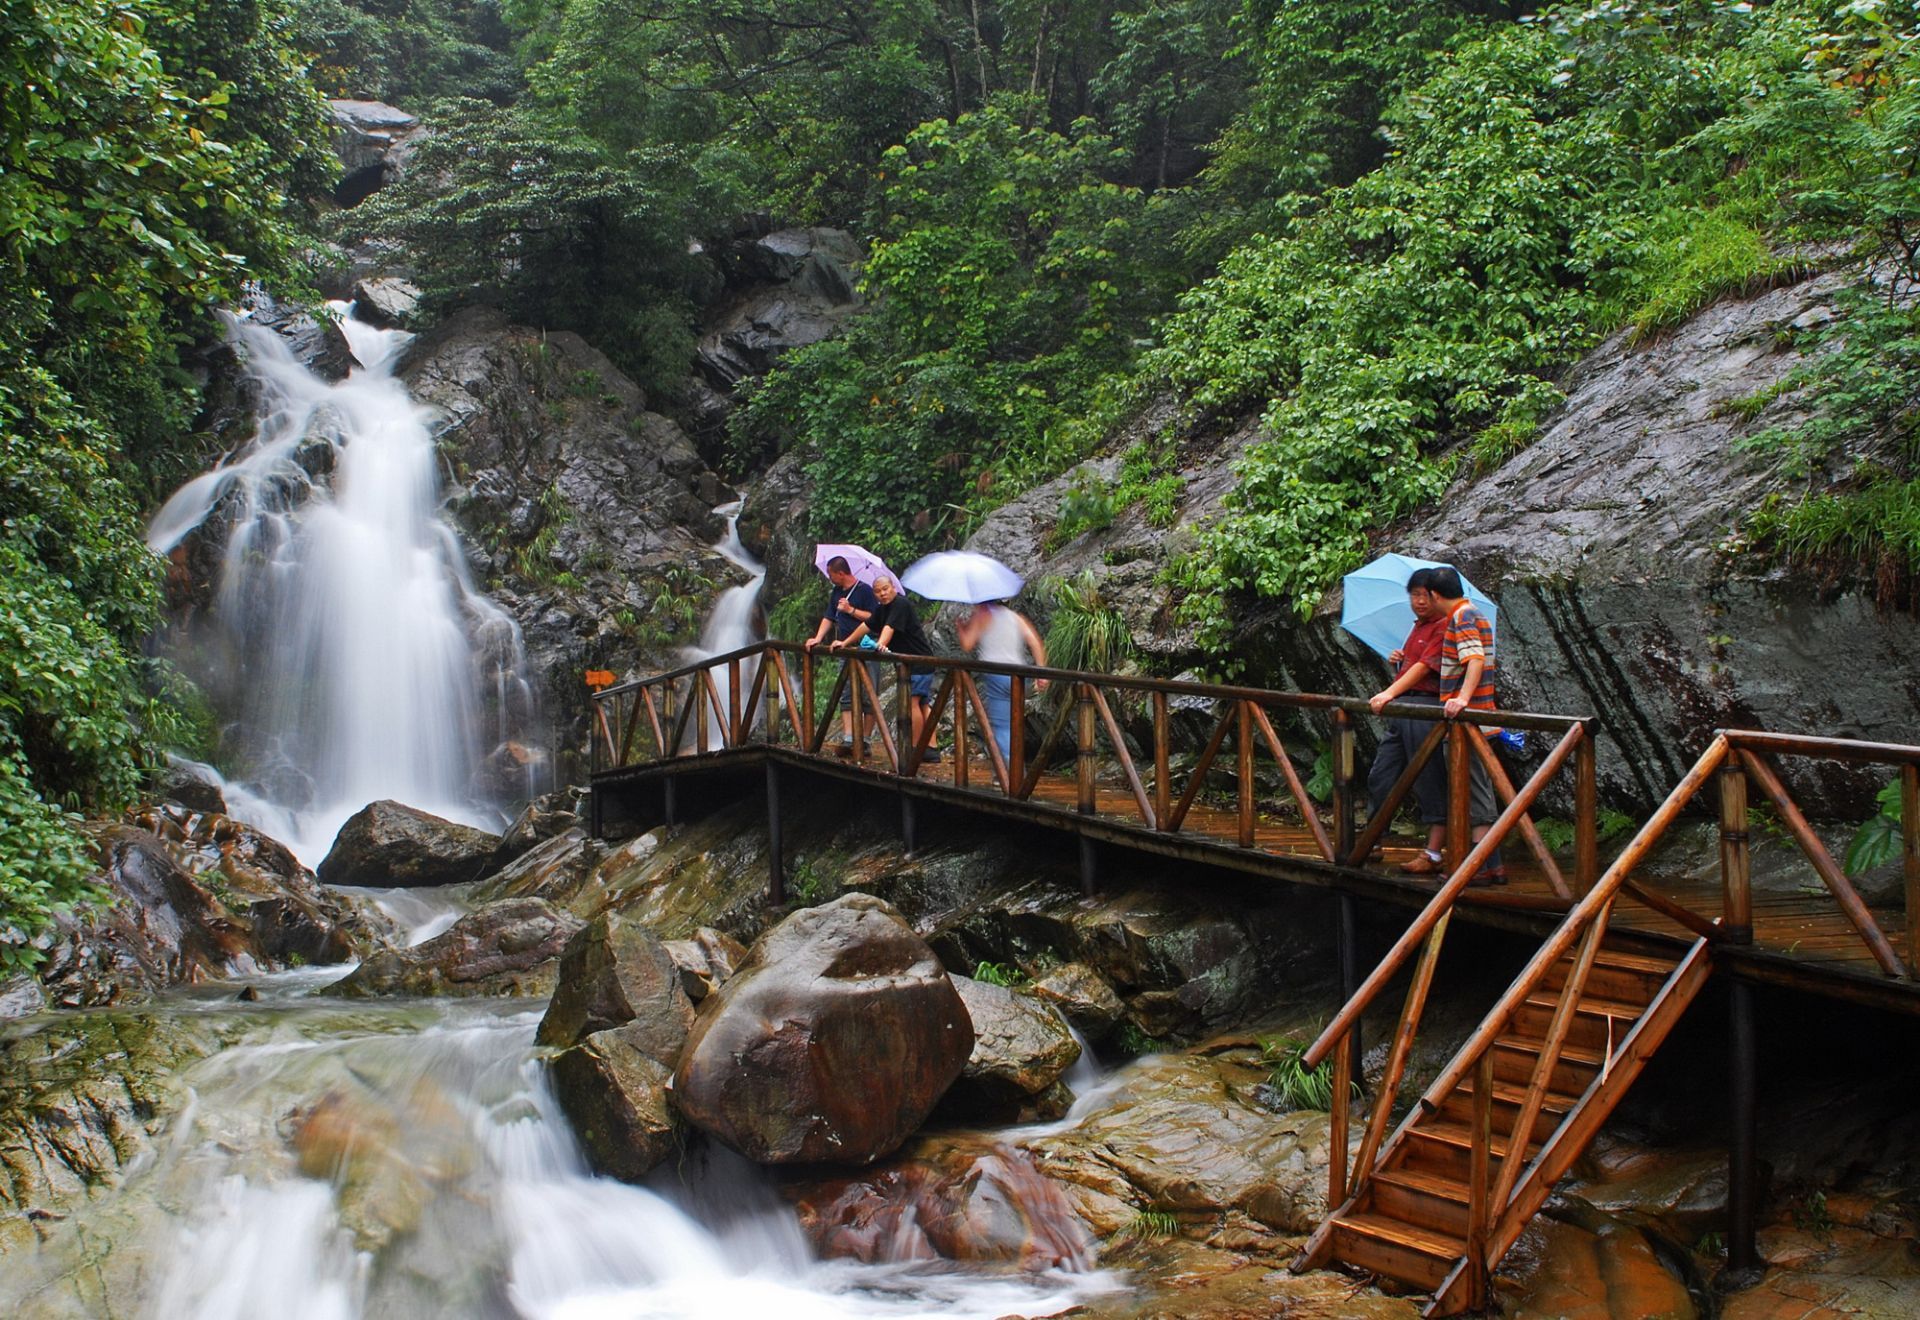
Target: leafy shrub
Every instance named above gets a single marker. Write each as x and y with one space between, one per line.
1714 253
1296 1085
1005 975
1087 506
1084 631
1879 841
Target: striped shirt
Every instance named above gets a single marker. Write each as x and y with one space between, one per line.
1469 634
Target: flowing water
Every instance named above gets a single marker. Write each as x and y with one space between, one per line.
735 620
346 648
408 1159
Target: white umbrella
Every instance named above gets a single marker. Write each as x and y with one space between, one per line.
963 576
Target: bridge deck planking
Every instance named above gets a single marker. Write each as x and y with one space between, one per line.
1800 938
1805 926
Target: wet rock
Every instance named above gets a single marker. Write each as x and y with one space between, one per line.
616 973
1084 996
774 527
832 1042
800 290
1615 1271
387 301
391 845
705 961
549 441
159 927
560 870
546 817
1021 1048
387 1161
191 785
20 996
368 137
290 918
957 1199
1187 1133
613 1089
314 338
507 948
82 1096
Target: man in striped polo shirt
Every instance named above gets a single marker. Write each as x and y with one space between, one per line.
1466 683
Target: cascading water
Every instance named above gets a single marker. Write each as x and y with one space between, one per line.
734 622
346 643
409 1159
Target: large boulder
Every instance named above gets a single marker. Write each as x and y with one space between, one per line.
946 1198
370 139
613 1089
616 973
1084 996
386 300
1021 1048
801 285
833 1042
705 960
389 845
507 948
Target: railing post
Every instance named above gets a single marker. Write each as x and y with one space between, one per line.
1910 857
1243 770
1344 760
961 751
1586 812
1477 1160
856 710
733 702
1736 862
593 736
697 694
1083 734
1337 1133
806 699
1348 949
1459 796
1162 753
902 714
1016 749
776 860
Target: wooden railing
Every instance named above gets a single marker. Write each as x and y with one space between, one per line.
781 694
1505 1192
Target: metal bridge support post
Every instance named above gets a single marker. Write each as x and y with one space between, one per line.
1349 953
909 831
1743 1253
1089 866
596 822
776 854
667 802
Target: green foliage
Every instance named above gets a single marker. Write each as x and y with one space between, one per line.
409 52
1549 179
1084 631
1319 783
1133 1042
1879 841
1007 276
1088 506
502 205
1296 1085
150 154
1005 975
1146 1226
807 884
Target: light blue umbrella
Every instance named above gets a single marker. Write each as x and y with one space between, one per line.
961 575
1375 609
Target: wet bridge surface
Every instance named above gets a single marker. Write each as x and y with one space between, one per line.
1215 774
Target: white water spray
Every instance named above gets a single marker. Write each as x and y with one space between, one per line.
349 646
733 622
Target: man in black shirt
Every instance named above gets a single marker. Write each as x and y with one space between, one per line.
851 605
895 626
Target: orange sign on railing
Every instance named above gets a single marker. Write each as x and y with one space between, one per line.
599 678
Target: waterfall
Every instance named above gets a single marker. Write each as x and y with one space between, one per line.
346 648
733 622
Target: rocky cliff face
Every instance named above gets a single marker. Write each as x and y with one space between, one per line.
1612 545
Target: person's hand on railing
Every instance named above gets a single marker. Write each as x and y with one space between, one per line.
1378 701
1039 685
1454 706
812 642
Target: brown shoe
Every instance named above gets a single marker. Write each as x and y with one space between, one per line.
1422 865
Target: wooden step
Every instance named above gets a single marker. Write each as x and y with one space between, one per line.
1418 1256
1590 1027
1507 1099
1627 977
1516 1057
1442 1147
1428 1199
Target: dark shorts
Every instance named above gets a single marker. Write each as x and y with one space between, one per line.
875 670
920 683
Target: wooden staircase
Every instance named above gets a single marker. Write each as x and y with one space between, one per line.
1446 1197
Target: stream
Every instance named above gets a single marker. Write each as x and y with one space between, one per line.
409 1159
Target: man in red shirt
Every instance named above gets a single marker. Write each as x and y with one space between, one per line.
1416 680
1466 683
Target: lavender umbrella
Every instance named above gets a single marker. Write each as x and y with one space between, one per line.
863 563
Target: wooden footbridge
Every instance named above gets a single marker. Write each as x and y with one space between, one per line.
1435 1200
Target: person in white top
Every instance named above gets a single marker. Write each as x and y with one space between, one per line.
1001 635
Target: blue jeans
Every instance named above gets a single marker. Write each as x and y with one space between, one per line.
997 691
